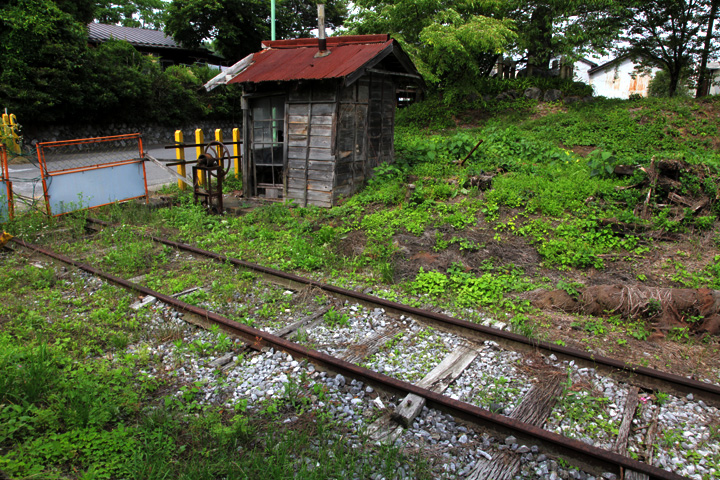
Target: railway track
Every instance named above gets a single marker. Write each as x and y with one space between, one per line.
643 377
467 350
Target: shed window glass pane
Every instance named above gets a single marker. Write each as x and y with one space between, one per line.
268 130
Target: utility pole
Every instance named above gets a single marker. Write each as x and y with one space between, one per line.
272 19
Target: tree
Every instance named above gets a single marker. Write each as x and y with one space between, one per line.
542 29
237 27
702 86
297 18
449 45
119 81
132 13
665 33
554 28
42 50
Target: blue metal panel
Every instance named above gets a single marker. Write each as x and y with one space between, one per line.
92 188
4 214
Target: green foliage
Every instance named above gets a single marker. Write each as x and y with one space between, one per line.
41 52
236 29
453 45
469 290
571 288
665 33
577 243
659 86
429 283
601 163
444 41
582 408
635 134
25 373
334 319
456 47
131 13
431 113
50 74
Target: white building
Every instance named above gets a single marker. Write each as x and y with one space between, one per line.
714 68
581 70
618 78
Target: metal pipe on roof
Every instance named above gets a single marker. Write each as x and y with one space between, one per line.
322 42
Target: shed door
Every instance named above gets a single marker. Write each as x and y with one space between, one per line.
266 146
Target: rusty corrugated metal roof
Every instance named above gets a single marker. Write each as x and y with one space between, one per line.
288 60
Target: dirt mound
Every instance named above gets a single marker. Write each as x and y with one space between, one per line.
698 309
480 247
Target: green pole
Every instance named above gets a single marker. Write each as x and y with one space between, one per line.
272 19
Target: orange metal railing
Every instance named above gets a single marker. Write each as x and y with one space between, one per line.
83 158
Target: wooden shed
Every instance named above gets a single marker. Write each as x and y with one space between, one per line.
316 122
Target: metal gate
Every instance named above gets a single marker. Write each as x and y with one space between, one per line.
92 172
6 198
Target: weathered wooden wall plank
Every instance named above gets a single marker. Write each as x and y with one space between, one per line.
297 140
297 152
321 154
321 120
297 128
320 186
320 141
322 109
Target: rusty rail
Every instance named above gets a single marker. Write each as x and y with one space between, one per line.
642 376
576 452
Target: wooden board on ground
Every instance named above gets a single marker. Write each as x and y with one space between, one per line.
386 429
437 380
370 345
291 330
649 441
534 409
631 403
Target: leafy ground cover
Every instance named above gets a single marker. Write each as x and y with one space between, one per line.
426 231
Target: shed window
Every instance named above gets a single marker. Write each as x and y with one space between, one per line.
268 134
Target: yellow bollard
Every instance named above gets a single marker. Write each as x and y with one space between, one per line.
9 124
236 151
199 140
180 155
219 138
4 238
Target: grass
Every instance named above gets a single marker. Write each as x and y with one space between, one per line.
79 400
82 397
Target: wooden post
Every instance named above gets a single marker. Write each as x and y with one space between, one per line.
246 150
199 139
180 155
236 151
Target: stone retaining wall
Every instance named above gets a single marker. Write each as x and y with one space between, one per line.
151 134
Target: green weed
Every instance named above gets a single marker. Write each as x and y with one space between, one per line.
334 319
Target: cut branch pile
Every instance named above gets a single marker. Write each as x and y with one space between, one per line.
664 184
